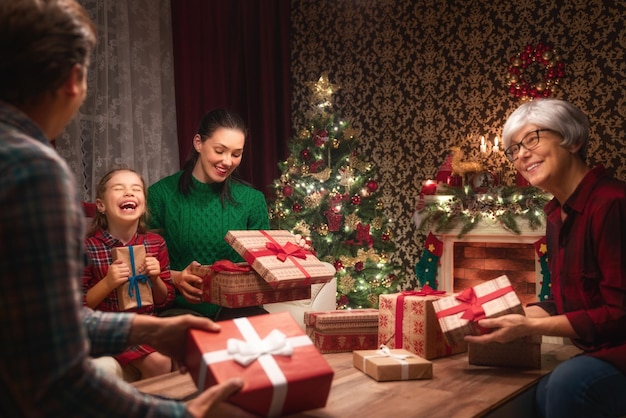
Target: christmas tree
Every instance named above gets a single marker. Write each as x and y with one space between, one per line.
328 194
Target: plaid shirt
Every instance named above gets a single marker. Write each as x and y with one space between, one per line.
47 336
587 259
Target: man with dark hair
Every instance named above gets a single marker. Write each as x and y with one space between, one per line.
47 335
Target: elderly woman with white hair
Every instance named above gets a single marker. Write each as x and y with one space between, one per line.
546 140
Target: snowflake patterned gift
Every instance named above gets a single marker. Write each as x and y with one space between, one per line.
341 331
407 320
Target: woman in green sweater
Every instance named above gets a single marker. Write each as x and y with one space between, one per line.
193 210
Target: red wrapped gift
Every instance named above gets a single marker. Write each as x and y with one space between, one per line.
278 259
283 371
408 320
459 314
343 330
236 285
137 291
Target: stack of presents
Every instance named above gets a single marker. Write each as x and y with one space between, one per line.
283 366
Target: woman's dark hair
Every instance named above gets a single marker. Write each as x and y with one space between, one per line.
211 122
99 219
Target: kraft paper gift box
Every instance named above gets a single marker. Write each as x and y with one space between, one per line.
283 372
137 291
521 353
278 259
408 320
386 364
236 285
341 331
459 314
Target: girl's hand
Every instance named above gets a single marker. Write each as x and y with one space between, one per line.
152 267
304 243
118 274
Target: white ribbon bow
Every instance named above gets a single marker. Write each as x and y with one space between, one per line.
386 352
245 353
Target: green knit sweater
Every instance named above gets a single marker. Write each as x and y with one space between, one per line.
194 227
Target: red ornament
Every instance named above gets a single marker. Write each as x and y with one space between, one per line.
338 265
305 154
359 266
356 200
384 236
297 207
287 190
342 300
372 186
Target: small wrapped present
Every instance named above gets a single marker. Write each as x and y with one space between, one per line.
236 285
459 314
283 371
278 259
137 291
407 320
343 330
522 353
385 364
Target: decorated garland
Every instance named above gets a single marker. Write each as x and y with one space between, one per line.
521 71
500 204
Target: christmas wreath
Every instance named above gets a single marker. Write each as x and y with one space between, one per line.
535 72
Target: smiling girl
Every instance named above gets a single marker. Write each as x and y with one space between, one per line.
194 209
120 221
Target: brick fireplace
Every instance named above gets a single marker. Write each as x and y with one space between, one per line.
487 252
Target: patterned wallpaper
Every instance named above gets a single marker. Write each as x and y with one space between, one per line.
420 76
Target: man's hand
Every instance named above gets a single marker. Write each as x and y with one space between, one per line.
505 328
210 403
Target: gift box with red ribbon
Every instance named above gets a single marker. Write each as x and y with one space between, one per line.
386 364
276 257
459 314
283 372
236 285
407 320
343 330
137 291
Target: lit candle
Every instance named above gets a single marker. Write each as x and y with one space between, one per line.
495 145
429 187
483 147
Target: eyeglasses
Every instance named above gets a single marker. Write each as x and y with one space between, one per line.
530 141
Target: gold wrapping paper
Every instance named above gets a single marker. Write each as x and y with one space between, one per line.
392 364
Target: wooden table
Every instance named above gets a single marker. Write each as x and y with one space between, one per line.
457 389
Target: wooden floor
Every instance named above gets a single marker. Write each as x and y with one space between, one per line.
457 389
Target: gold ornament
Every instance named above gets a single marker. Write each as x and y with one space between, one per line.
375 283
313 200
377 222
347 176
334 143
322 175
347 283
323 230
304 134
384 257
387 282
303 228
372 298
352 220
379 205
304 170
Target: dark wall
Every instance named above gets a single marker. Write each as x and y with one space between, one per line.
418 77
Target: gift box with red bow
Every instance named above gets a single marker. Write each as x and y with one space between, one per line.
137 291
283 372
236 285
276 257
407 320
459 314
386 364
343 330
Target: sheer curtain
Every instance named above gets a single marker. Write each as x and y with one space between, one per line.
129 116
